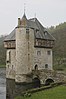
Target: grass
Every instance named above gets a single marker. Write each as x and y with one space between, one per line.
54 93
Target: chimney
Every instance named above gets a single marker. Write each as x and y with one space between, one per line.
18 21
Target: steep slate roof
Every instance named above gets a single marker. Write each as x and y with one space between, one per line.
40 31
11 36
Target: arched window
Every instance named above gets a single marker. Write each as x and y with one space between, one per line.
46 66
36 67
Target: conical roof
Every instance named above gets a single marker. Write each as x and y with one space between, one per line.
24 17
24 20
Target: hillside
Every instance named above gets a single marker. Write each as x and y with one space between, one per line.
59 32
2 51
59 50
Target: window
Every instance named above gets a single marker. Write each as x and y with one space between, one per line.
27 30
12 66
8 56
45 33
38 53
49 52
46 66
36 67
27 34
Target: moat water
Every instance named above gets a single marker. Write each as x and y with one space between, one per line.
2 83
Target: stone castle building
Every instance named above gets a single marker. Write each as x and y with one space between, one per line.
29 47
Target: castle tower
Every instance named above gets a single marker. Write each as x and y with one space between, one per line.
22 62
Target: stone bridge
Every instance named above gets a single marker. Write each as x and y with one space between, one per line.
34 79
48 76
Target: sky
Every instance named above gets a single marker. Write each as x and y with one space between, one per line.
48 12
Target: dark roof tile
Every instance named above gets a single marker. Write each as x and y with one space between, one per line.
40 31
11 36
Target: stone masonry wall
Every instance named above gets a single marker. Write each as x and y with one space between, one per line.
41 58
21 55
43 75
27 55
11 64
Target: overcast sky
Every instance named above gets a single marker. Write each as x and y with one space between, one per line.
49 12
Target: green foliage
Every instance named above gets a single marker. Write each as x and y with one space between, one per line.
60 67
59 32
54 93
59 50
2 52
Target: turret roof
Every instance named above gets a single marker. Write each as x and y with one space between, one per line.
24 17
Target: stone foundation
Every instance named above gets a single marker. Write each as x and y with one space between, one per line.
14 89
38 77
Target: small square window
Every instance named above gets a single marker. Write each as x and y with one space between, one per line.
27 30
38 53
49 52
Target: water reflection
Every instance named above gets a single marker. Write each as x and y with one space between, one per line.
14 89
10 89
2 84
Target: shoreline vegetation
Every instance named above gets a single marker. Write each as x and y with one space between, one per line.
2 66
58 92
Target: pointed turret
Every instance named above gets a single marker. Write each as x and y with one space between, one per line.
23 21
24 17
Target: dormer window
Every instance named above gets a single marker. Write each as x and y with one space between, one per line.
37 31
45 33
